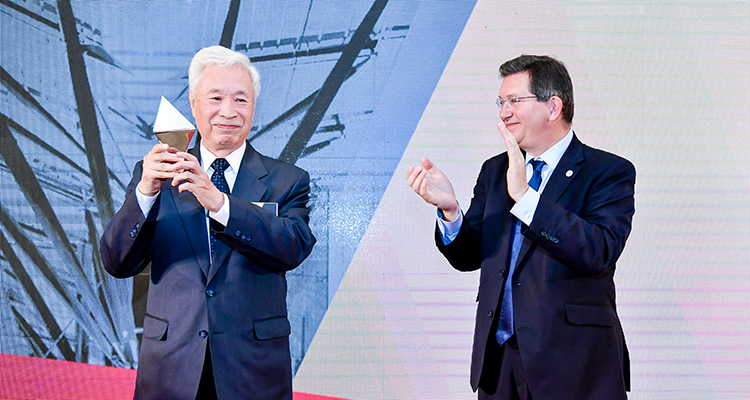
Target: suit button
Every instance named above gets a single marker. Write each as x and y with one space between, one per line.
519 283
237 234
203 334
248 238
490 313
502 272
137 226
132 233
210 293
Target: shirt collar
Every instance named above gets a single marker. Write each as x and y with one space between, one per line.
234 158
553 155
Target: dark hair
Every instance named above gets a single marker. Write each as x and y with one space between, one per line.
547 77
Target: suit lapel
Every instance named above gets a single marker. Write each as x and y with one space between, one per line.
509 223
567 169
249 187
193 217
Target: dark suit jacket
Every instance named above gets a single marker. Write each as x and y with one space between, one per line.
238 300
568 331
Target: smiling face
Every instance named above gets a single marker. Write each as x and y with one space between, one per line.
223 106
529 120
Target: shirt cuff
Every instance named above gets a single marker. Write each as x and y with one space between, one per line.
449 230
221 216
524 210
145 202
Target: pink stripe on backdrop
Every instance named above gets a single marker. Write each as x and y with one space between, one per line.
38 378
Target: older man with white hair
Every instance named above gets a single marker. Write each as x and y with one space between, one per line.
216 322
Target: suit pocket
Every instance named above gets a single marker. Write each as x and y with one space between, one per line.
155 328
272 328
586 314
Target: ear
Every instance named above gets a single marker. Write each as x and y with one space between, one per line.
556 106
191 98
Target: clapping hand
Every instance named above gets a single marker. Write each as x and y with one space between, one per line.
434 187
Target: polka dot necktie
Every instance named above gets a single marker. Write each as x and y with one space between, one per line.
218 179
505 323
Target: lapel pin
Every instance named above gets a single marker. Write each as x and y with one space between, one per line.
569 173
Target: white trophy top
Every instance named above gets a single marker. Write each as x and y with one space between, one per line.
169 119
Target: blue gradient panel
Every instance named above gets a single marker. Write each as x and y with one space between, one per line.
344 84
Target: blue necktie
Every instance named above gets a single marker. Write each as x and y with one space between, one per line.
505 323
218 179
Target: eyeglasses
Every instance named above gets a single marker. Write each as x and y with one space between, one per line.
512 101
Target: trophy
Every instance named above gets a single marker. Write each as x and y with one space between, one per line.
171 127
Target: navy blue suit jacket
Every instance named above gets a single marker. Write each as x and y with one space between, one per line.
566 322
236 302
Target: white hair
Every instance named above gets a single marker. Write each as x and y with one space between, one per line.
223 57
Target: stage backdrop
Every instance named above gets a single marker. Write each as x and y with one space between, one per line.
376 312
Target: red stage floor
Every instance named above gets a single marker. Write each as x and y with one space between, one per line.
38 378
